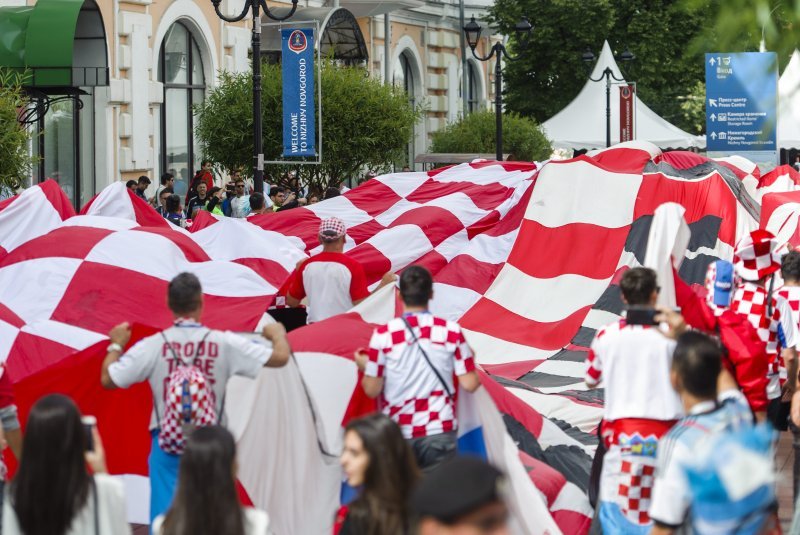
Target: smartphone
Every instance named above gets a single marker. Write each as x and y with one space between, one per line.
640 315
89 423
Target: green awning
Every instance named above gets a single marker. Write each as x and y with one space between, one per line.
58 43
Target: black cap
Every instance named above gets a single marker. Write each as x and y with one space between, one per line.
456 488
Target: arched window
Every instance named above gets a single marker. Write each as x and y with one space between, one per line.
180 69
473 88
403 76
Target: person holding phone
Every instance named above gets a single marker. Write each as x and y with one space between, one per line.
632 359
53 492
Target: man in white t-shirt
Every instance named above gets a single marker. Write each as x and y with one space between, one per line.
411 363
332 281
218 354
633 363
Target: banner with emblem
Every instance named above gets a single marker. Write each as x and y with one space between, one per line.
299 132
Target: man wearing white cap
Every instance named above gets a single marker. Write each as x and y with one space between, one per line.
332 281
756 259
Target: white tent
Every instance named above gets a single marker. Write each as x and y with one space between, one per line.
789 105
582 124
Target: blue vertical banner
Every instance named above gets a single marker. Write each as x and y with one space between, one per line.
742 106
299 128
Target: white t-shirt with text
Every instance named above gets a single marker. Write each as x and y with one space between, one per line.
218 354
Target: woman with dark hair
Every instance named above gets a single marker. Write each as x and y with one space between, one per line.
377 459
174 213
206 500
52 492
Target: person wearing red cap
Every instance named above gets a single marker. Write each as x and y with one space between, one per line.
332 282
756 259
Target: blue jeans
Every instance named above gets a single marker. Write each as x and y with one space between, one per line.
163 477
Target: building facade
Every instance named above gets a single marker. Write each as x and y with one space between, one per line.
119 78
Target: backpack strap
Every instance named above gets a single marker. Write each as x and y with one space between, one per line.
427 359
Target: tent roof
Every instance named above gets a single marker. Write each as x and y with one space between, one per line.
789 105
582 124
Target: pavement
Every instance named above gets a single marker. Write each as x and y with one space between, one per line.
784 461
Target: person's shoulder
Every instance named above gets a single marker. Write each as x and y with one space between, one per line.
109 485
609 330
257 521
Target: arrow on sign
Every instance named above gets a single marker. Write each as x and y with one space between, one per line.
713 135
713 117
712 102
712 62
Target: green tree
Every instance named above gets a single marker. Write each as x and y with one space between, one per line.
550 72
738 26
365 124
523 139
15 162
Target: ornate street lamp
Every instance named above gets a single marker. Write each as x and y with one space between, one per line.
472 31
588 58
258 141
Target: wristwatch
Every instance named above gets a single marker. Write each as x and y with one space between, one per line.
113 346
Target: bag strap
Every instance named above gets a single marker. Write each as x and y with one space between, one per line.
427 359
769 296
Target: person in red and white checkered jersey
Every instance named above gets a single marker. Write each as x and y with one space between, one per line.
633 364
411 362
756 259
332 281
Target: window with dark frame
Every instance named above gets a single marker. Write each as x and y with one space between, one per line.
180 69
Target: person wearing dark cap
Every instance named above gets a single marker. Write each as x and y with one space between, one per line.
332 281
411 362
463 496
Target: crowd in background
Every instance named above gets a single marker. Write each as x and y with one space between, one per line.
236 198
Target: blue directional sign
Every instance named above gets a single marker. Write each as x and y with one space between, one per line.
742 103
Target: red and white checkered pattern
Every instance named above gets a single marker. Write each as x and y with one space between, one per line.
118 201
332 228
756 255
171 438
636 491
413 396
751 300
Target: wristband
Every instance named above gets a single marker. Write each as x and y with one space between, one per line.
113 346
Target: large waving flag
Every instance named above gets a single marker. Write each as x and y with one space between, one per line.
525 257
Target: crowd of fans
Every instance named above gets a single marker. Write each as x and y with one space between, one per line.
237 198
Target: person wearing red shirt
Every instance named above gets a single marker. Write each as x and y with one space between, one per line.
332 281
203 176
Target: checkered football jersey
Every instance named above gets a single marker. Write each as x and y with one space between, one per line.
751 300
412 394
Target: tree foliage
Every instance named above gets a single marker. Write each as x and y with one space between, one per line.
365 124
550 74
15 162
523 139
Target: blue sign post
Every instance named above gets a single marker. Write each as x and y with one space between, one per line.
742 106
299 132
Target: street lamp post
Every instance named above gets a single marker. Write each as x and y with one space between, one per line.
588 58
258 140
473 32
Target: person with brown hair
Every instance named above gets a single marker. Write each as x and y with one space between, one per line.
206 500
377 459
